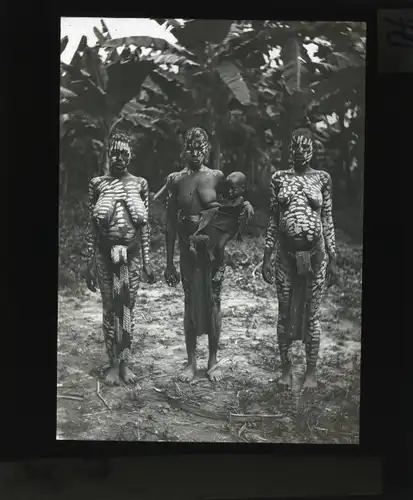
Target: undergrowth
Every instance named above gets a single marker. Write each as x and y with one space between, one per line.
243 258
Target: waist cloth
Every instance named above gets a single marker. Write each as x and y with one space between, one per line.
303 266
117 257
196 274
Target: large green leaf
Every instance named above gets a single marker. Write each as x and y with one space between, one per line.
168 59
150 86
293 68
99 35
63 43
66 93
143 41
194 34
77 56
94 66
174 89
338 82
124 82
105 29
232 77
136 114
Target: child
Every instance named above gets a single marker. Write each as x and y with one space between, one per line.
220 221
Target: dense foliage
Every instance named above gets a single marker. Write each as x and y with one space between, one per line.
247 82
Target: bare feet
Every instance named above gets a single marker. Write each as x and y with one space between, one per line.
215 373
188 374
285 383
127 374
112 376
310 381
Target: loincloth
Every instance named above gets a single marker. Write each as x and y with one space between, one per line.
117 257
196 273
303 266
118 251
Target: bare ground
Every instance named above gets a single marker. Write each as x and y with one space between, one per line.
246 406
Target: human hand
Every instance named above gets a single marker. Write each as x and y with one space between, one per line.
171 275
148 274
331 272
266 272
248 211
91 280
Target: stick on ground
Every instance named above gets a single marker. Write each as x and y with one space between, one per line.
100 396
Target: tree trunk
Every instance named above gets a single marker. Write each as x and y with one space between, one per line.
216 151
285 142
215 144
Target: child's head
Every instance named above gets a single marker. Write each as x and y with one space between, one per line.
236 184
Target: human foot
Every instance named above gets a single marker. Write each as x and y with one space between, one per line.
112 376
215 373
127 374
188 374
310 381
285 382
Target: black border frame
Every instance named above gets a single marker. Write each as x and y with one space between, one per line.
31 333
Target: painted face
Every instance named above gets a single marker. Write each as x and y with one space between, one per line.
301 150
196 146
120 152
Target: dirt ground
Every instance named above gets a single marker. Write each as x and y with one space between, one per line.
246 406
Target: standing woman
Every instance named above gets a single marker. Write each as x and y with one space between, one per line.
119 214
301 226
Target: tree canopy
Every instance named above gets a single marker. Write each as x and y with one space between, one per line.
248 83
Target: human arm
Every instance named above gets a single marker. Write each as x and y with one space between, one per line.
165 192
327 217
145 232
171 274
272 229
247 210
91 237
328 228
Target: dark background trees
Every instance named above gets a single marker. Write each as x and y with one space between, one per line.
247 82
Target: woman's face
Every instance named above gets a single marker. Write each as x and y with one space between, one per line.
120 153
301 150
196 147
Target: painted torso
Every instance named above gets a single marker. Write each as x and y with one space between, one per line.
119 209
300 200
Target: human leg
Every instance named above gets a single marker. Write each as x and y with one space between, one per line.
190 334
104 277
284 291
312 342
214 334
125 371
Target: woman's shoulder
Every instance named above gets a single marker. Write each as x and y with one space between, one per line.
279 174
324 176
139 180
95 181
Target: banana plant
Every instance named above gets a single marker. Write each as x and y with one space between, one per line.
216 82
103 87
299 86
